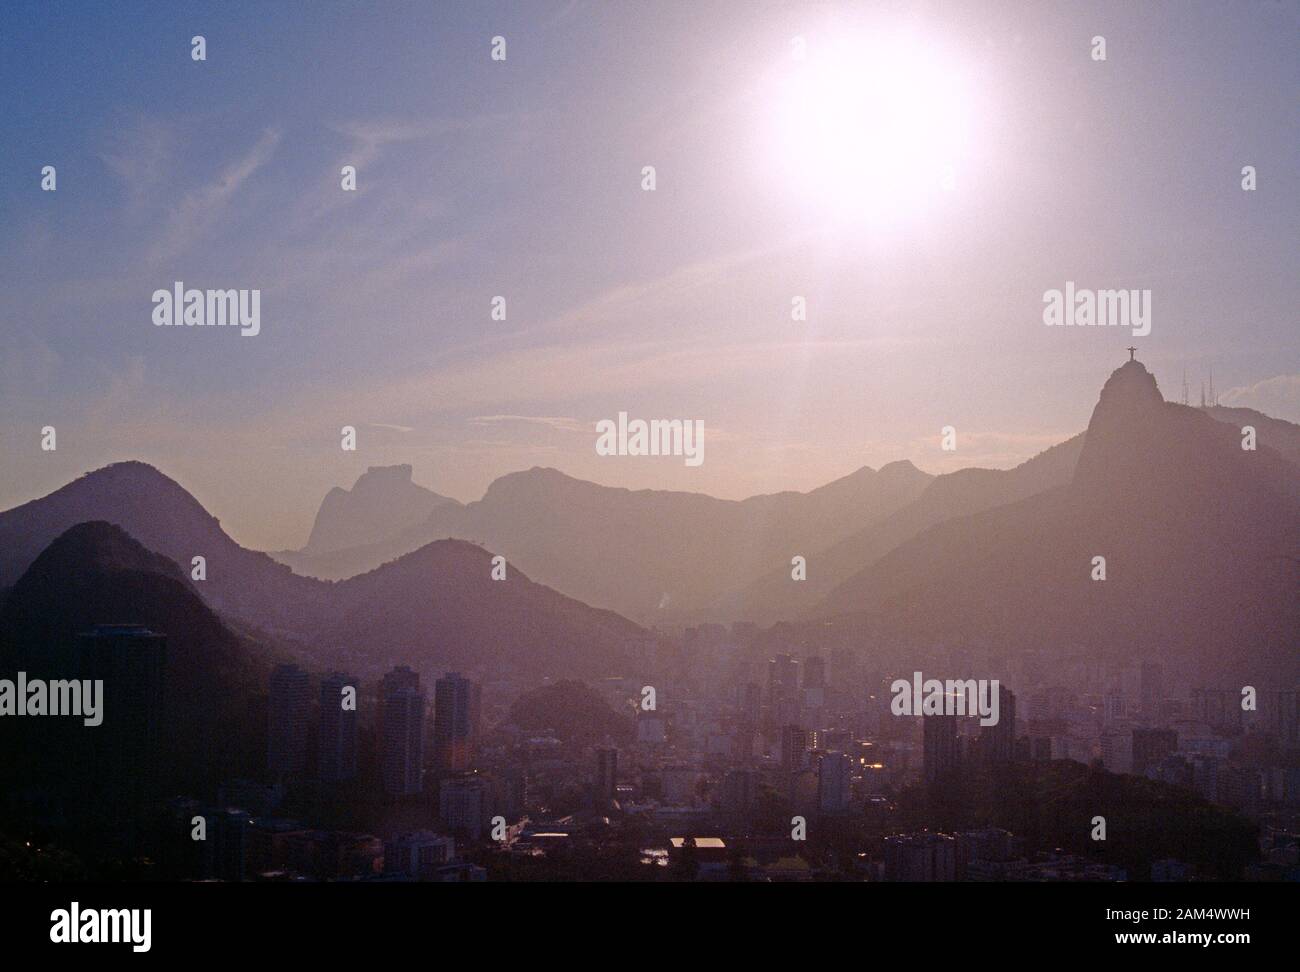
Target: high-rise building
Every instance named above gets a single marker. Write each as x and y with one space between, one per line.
794 747
1114 707
940 756
814 684
606 776
287 721
455 721
464 804
783 690
999 740
338 728
750 721
834 778
124 749
402 733
401 677
751 704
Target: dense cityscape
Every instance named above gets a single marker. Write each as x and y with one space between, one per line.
724 765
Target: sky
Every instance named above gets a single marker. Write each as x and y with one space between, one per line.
523 178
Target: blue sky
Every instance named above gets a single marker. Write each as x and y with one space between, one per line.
522 178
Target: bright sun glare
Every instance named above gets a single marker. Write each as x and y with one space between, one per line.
870 127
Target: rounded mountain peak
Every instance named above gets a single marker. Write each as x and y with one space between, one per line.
1130 386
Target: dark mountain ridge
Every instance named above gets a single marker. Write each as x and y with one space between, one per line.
93 574
1201 540
436 605
649 554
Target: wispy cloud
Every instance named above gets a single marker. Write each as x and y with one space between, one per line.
390 427
558 423
639 300
369 137
201 209
992 450
1278 397
139 152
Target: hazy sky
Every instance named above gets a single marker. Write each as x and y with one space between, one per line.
523 178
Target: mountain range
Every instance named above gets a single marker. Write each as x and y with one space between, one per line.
383 503
1200 538
437 605
652 555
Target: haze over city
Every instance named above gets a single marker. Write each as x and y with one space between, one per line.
601 443
523 179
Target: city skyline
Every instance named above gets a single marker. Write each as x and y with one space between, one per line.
590 444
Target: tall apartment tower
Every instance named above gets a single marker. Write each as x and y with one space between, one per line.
287 722
794 748
402 733
834 782
814 683
606 776
783 690
940 759
1000 739
124 750
456 704
338 728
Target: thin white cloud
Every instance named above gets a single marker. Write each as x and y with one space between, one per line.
1278 397
559 423
991 450
202 208
369 141
139 152
390 426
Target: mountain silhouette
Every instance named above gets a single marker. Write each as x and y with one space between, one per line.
775 597
436 604
94 574
648 554
441 602
162 516
948 496
1200 538
1283 437
381 504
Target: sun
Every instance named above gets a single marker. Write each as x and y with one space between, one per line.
869 126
